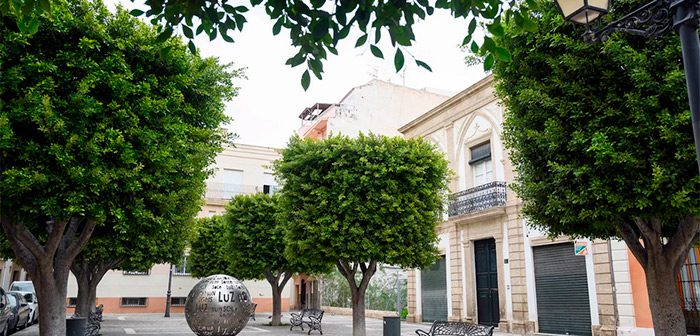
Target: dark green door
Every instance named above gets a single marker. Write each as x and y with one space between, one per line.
562 290
433 281
486 282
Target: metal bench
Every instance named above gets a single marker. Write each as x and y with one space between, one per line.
252 311
457 329
309 317
93 323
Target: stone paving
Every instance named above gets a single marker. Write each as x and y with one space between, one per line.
152 324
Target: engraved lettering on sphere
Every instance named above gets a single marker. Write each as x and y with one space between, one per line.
218 305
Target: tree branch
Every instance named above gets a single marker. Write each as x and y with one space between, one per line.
630 236
77 245
651 238
14 230
367 274
55 229
287 276
686 235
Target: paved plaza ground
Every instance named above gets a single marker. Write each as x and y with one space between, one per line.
151 324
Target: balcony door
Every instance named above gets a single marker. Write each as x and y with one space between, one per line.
481 164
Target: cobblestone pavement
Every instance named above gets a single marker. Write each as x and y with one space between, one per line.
152 324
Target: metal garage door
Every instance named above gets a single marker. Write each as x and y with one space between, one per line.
562 290
434 291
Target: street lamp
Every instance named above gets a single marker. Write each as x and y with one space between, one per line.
651 20
167 295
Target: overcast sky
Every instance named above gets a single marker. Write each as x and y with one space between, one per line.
266 110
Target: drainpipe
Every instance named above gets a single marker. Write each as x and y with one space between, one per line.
614 286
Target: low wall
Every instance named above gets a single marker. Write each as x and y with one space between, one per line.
378 314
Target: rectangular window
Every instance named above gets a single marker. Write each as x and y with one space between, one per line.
481 164
178 300
181 268
134 302
72 302
135 272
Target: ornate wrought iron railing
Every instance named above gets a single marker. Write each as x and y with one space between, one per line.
479 198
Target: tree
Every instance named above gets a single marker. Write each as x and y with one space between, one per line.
601 139
208 253
358 202
315 27
160 239
98 121
255 246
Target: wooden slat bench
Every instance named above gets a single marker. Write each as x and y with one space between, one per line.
449 328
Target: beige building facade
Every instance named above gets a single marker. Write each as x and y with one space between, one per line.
239 169
495 269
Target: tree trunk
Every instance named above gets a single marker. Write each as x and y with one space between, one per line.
664 301
357 291
49 263
51 292
662 258
277 288
358 313
88 276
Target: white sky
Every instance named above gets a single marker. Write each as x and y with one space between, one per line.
266 110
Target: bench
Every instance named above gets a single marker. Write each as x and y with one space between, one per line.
311 317
457 329
252 311
93 323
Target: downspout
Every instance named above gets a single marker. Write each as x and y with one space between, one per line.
614 285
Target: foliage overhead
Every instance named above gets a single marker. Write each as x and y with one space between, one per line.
208 253
372 198
600 134
316 26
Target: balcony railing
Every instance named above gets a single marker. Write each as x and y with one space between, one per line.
225 191
480 198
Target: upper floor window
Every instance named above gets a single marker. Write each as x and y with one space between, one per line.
181 268
480 162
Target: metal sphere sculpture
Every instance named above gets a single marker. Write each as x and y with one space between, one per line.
219 305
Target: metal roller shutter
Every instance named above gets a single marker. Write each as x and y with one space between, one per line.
562 290
434 291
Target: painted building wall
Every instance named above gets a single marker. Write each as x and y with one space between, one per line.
467 120
254 164
379 107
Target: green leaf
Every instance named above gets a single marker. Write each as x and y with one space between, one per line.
496 28
488 44
529 25
502 54
376 51
45 5
361 40
241 9
188 32
33 26
192 47
472 26
164 35
398 60
474 47
136 12
488 62
423 65
305 80
277 27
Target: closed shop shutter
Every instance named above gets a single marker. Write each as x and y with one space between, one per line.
433 281
562 290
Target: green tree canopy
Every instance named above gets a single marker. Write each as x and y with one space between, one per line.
101 125
208 253
315 27
601 139
255 245
358 202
